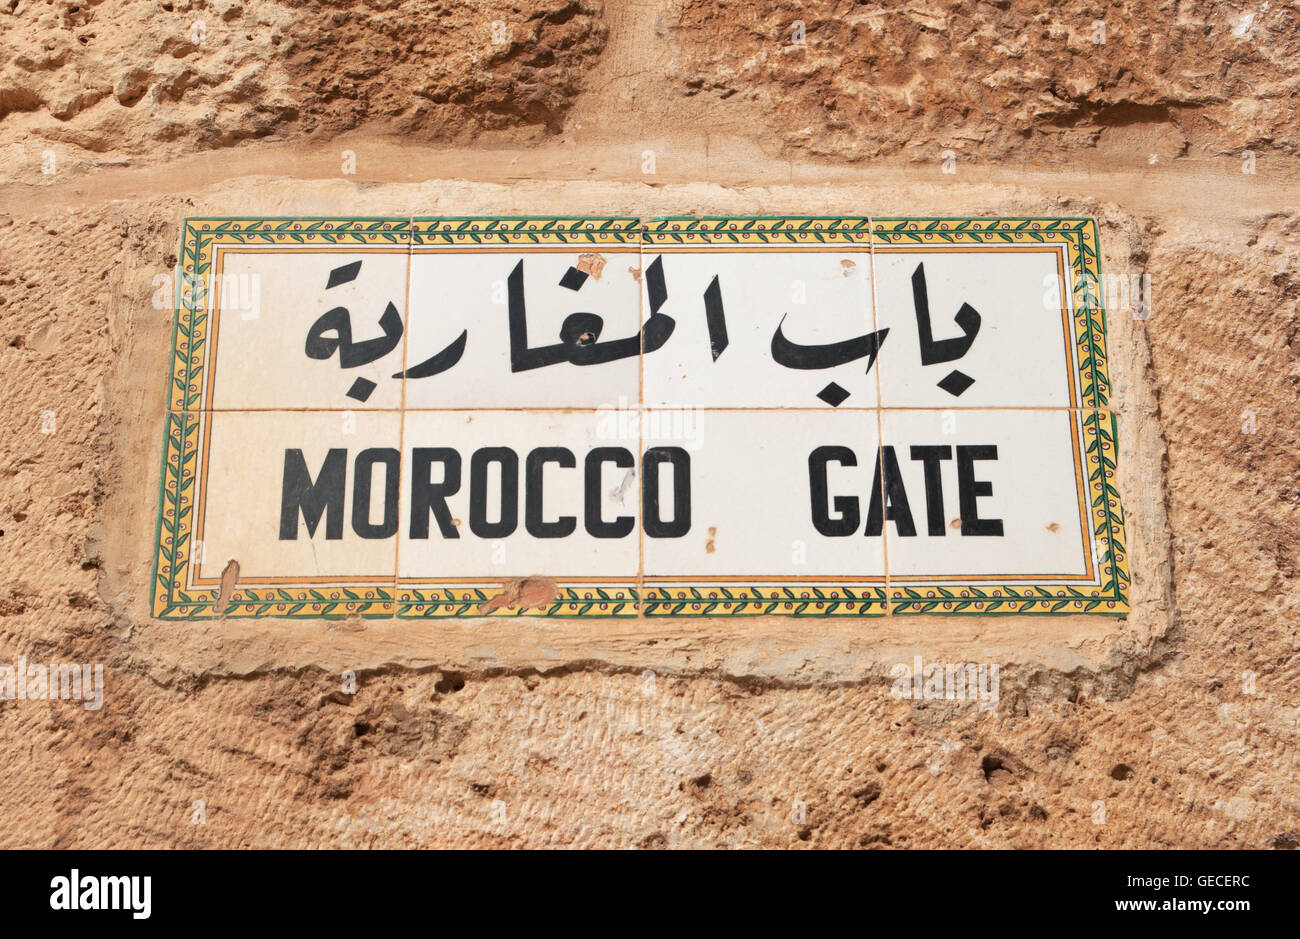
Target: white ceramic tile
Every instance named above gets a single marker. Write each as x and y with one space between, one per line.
755 515
817 297
248 510
267 302
571 524
720 462
1021 353
468 292
1022 484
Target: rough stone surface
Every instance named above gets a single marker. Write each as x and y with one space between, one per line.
1004 80
144 79
1179 725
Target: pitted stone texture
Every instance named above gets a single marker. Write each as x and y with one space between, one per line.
144 79
1004 81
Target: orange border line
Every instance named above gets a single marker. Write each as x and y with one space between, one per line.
210 358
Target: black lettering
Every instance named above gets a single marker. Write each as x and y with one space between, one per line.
427 496
969 489
930 458
845 522
562 526
596 526
478 467
363 473
896 507
313 499
680 461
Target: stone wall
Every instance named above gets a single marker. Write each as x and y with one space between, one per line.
1176 726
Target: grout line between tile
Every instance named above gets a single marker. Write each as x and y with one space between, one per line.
639 460
880 416
401 430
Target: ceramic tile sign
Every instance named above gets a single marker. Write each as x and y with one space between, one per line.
623 417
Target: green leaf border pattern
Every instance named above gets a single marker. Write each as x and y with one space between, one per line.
185 396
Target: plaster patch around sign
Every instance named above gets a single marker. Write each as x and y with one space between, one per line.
396 416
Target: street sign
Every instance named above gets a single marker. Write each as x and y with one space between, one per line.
614 417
